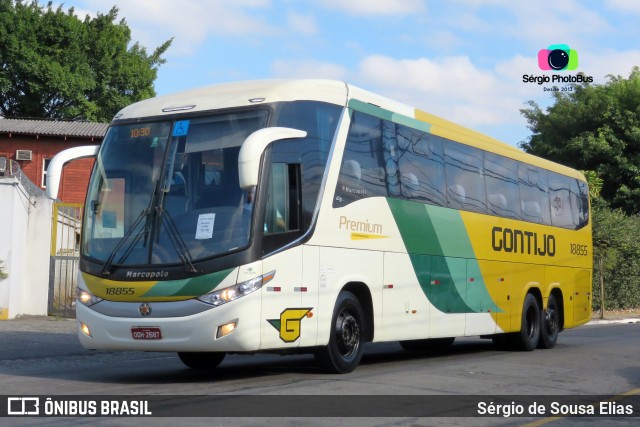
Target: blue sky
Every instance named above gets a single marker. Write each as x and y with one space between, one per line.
463 60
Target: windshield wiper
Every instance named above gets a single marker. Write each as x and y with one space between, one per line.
176 240
106 270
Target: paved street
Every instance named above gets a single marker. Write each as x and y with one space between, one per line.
42 356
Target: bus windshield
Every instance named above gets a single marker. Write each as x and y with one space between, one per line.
167 192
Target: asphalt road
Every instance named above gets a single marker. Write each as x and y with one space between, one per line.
43 357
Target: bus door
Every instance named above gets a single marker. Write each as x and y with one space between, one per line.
286 304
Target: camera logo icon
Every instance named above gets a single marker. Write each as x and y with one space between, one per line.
557 57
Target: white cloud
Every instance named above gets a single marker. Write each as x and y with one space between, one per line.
189 21
556 21
308 69
454 88
80 12
451 87
599 64
302 24
624 5
442 41
540 23
375 7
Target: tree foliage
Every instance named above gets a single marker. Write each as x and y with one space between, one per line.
55 65
595 184
594 127
615 242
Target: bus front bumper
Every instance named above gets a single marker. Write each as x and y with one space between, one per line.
232 327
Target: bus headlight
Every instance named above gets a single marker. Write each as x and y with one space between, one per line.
223 296
87 298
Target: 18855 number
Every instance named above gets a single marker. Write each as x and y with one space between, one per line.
580 250
121 291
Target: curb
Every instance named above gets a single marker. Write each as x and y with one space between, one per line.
613 322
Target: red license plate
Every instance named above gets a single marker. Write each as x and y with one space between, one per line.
146 333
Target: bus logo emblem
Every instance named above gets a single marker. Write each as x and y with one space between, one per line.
144 309
289 323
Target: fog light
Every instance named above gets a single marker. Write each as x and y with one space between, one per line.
226 329
85 329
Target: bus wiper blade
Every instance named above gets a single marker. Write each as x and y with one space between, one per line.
106 270
177 241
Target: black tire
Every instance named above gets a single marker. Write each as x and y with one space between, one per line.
427 345
346 340
202 361
549 324
527 338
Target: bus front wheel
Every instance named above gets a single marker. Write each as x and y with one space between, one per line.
201 361
344 351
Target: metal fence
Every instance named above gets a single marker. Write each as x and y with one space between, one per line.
66 221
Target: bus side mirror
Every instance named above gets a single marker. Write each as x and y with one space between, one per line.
54 171
252 149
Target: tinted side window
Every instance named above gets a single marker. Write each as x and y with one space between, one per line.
534 200
422 168
362 172
319 120
564 198
503 196
583 190
465 177
283 208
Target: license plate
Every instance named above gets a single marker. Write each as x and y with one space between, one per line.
146 333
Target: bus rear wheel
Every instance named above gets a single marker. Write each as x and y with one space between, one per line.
549 324
201 361
527 338
346 340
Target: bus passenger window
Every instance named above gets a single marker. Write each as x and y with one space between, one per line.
503 197
422 169
349 186
457 194
534 198
363 171
583 190
410 185
563 195
465 177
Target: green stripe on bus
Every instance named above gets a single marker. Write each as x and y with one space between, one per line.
383 114
189 287
442 257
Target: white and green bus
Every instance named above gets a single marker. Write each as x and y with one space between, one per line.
313 216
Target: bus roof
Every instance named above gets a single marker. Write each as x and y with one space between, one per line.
239 94
248 93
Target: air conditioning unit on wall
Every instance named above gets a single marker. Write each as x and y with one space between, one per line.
24 155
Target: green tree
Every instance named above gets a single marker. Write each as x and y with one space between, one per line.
595 184
615 249
594 127
55 65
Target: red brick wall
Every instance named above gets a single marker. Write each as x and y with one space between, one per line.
75 177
